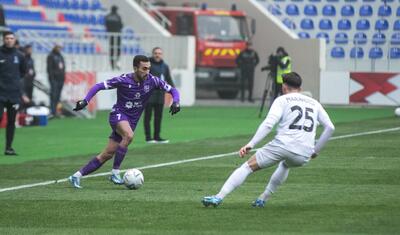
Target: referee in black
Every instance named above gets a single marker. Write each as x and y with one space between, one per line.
12 71
156 102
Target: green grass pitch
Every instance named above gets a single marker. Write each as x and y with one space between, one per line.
353 187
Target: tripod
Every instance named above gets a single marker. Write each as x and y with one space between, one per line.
267 90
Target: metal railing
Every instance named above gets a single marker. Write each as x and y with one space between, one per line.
160 17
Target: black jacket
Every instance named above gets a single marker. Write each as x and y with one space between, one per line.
30 70
12 71
161 70
113 23
247 59
55 65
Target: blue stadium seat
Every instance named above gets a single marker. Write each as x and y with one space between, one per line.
398 11
394 53
329 10
396 25
366 10
292 10
395 40
375 53
74 4
381 24
356 52
310 10
297 0
307 24
325 24
84 5
347 10
341 38
8 2
275 9
96 5
384 10
350 0
323 35
303 35
100 19
368 0
314 0
65 5
360 38
332 0
378 39
344 24
289 23
363 24
337 52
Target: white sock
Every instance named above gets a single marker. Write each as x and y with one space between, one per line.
278 177
236 179
77 174
115 171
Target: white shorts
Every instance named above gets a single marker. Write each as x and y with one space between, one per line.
270 155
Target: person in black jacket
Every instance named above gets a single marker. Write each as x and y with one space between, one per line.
12 71
30 71
247 60
56 72
156 102
114 27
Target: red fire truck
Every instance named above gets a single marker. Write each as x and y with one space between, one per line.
220 36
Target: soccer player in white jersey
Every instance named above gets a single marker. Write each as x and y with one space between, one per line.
293 146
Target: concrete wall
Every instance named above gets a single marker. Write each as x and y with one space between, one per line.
305 53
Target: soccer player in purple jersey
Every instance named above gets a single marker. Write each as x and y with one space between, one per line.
133 91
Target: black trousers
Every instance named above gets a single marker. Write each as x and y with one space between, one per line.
11 115
277 90
56 85
247 74
158 111
29 89
115 50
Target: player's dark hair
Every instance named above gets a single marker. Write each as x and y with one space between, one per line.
6 33
139 58
155 48
292 79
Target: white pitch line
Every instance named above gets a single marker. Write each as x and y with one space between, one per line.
185 161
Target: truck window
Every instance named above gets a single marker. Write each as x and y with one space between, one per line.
184 24
222 28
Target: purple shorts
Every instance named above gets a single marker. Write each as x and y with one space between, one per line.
116 117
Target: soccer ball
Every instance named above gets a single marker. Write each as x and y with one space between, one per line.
397 112
133 179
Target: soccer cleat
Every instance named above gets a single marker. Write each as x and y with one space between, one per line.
116 179
161 141
258 203
10 152
211 200
75 181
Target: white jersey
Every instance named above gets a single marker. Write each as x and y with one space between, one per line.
298 116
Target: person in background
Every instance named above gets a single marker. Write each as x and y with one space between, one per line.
247 60
12 71
114 25
30 71
56 72
284 66
156 102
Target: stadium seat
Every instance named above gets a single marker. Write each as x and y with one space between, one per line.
310 10
395 40
375 53
378 39
323 35
329 10
381 24
292 10
360 38
396 25
325 24
75 4
307 24
337 52
394 53
363 24
368 0
275 10
384 10
332 0
356 52
350 0
314 0
341 38
289 23
366 10
303 35
297 0
398 11
347 10
344 24
84 5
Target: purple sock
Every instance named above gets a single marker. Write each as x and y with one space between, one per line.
119 157
92 165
